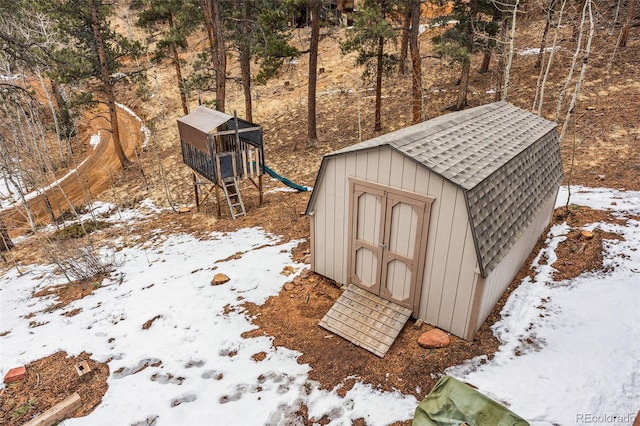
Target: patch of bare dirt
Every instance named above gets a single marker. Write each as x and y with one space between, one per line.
148 323
292 319
49 381
581 251
67 293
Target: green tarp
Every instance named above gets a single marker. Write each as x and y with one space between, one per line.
452 403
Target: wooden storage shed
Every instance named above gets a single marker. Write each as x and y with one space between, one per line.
437 217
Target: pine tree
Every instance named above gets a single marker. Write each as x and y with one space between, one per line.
476 26
93 52
176 19
257 30
370 33
312 130
416 62
217 47
14 44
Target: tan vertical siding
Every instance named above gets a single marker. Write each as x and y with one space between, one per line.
380 165
362 158
440 234
429 312
329 222
454 287
500 278
323 205
312 236
397 170
410 172
467 282
450 264
340 191
325 222
373 165
384 167
476 300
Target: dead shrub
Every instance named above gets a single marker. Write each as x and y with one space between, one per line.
77 261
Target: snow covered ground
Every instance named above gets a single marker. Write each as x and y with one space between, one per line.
587 364
195 337
587 369
535 50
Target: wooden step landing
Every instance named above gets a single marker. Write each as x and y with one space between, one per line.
366 320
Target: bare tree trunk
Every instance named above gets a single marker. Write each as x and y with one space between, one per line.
571 166
312 134
574 60
545 32
615 17
46 173
175 56
5 242
404 40
377 126
213 22
157 86
461 102
161 171
221 58
463 83
54 114
32 130
245 67
503 52
509 61
108 86
541 85
575 26
576 92
627 25
583 68
245 72
23 200
416 62
65 120
486 60
14 172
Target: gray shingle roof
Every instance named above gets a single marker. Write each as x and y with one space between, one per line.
505 158
503 204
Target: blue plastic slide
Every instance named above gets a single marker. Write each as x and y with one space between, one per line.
285 180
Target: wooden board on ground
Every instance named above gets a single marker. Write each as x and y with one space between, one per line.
366 320
58 412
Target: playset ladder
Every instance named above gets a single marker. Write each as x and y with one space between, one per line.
234 199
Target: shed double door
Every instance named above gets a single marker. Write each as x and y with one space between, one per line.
387 237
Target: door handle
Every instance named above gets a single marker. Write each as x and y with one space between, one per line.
383 245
